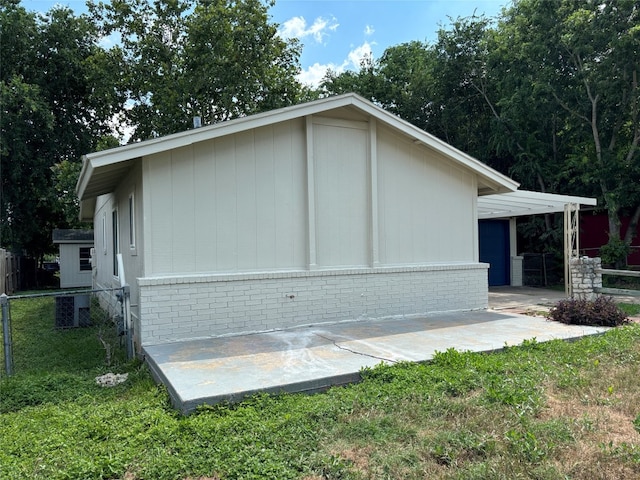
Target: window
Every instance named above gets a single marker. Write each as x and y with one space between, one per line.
85 259
114 244
132 223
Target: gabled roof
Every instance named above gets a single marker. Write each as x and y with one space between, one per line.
101 171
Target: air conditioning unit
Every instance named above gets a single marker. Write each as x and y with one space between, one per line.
73 311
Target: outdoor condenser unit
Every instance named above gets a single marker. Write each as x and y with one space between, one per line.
73 311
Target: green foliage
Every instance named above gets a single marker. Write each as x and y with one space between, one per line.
615 252
63 93
65 177
630 309
217 59
57 100
602 312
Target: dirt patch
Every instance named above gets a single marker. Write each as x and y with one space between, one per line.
599 427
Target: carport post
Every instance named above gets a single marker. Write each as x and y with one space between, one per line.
6 335
571 243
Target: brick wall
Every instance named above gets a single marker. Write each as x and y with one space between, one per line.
177 308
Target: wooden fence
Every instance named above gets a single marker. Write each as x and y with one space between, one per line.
8 272
620 273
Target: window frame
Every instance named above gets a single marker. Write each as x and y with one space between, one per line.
84 261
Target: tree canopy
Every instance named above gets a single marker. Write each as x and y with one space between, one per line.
216 59
56 103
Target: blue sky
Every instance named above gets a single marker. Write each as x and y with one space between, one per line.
337 34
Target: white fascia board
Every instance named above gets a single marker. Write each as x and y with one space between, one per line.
189 137
522 202
85 175
87 210
495 179
500 182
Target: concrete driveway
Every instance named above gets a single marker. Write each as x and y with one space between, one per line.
314 358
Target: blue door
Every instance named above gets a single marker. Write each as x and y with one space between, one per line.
494 250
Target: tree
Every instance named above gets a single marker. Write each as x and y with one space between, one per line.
25 125
56 105
587 59
217 59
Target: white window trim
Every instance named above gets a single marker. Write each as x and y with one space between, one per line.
104 234
132 222
115 236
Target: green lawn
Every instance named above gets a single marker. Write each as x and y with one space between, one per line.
543 411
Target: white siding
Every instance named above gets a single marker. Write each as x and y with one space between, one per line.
103 239
308 220
70 274
342 197
102 235
426 205
232 204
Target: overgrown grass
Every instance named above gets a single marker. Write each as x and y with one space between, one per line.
543 410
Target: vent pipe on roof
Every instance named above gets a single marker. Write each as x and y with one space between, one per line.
197 122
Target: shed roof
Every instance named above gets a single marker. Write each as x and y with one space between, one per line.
101 171
72 236
523 202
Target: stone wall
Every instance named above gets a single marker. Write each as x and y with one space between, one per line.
585 277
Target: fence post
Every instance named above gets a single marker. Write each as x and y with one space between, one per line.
6 335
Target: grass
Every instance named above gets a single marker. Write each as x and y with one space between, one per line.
542 410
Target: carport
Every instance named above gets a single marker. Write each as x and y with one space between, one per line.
497 229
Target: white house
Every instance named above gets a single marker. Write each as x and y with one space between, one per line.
327 211
75 257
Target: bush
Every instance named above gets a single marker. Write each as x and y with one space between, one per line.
615 253
602 312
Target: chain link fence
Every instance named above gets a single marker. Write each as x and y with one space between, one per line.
542 269
28 319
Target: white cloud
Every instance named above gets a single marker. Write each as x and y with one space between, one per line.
110 41
297 27
314 74
356 55
368 30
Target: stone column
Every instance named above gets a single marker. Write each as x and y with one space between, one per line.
586 277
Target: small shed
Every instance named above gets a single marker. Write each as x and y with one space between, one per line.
75 257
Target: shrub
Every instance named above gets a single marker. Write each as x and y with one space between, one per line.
601 311
615 253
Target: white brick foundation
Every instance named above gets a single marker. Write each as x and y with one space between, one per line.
187 307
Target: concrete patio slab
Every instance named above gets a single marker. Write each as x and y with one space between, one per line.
311 359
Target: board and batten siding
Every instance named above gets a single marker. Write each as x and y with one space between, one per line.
126 201
265 200
427 206
342 193
233 204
